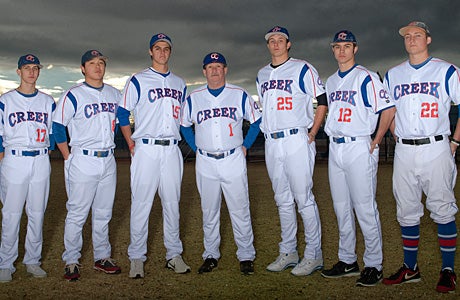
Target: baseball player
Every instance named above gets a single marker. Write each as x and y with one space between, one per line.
25 136
423 88
155 96
88 110
217 111
356 97
287 88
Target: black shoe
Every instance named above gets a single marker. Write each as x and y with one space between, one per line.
247 267
370 277
208 265
447 281
72 272
342 269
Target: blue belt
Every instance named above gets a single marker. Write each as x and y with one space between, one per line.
31 153
97 153
418 142
217 156
159 142
342 140
281 134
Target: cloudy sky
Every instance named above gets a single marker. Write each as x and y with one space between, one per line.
60 31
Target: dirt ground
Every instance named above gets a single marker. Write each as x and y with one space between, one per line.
225 282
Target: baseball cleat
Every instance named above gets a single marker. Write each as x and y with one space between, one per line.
341 269
284 261
137 269
209 264
107 266
247 267
403 275
447 281
370 277
36 271
178 265
307 267
5 275
72 272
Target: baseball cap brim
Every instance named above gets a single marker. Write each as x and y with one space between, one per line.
268 35
403 30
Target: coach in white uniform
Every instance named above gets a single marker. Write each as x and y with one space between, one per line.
155 96
25 135
423 88
356 98
88 110
217 111
287 88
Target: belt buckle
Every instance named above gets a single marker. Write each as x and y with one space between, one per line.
99 153
277 135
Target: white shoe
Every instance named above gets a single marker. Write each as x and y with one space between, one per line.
5 275
307 266
284 261
178 265
137 269
35 271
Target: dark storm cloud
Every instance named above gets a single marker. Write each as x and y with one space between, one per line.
60 31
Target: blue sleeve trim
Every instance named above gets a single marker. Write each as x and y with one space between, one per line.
189 102
138 87
364 91
123 116
59 133
252 134
302 75
449 74
73 100
2 106
2 149
245 96
189 136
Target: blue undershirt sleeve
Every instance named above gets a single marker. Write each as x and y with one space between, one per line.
59 133
2 149
123 116
252 134
189 136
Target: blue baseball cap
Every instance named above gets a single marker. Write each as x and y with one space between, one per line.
417 24
90 54
29 59
344 36
277 30
214 57
160 37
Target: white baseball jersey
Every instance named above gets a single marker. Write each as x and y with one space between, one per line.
156 109
354 100
219 120
26 121
90 115
156 99
286 94
25 125
423 97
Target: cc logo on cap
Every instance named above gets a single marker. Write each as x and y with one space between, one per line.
215 56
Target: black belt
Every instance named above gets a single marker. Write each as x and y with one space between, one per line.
31 153
159 142
418 142
97 153
281 134
217 156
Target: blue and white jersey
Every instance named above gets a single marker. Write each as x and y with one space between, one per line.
355 99
156 100
26 120
423 95
218 119
286 94
90 115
